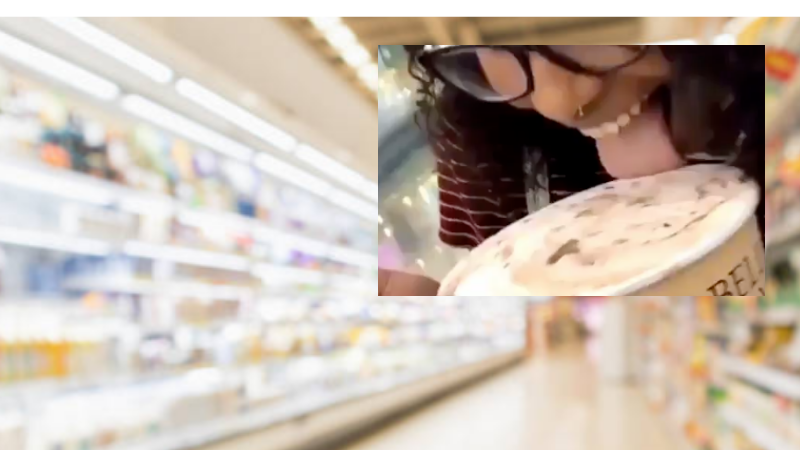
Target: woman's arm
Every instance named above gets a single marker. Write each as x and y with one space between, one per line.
392 283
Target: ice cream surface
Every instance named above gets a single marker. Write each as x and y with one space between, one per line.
612 238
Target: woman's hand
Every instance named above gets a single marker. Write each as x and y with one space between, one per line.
392 283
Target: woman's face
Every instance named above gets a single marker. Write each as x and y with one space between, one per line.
618 109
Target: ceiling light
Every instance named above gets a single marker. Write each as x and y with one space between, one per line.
369 75
407 201
292 174
380 220
57 68
340 36
387 232
113 47
189 129
235 114
325 23
53 241
356 55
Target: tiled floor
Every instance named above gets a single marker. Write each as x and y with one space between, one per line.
554 403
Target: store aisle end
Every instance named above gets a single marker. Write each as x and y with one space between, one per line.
553 402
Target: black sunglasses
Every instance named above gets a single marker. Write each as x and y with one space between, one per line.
464 67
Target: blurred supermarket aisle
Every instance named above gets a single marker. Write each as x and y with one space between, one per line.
554 402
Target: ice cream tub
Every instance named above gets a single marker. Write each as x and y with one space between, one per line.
687 232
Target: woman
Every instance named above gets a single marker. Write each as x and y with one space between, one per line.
515 128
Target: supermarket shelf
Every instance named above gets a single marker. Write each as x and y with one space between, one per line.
782 234
785 110
28 391
53 241
757 432
307 419
167 289
774 380
39 177
177 254
786 316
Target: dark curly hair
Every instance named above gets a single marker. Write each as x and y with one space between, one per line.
713 105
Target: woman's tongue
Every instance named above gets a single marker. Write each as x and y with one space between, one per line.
641 148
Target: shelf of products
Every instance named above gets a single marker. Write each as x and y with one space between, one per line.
781 37
222 368
73 151
139 267
737 387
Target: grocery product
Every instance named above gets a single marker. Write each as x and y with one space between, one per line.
687 231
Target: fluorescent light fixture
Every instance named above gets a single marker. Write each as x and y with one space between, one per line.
351 203
334 169
380 220
113 47
53 241
292 174
57 68
235 114
165 118
369 75
325 23
55 182
272 274
188 256
355 55
340 36
724 39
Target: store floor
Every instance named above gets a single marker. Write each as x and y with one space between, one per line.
551 403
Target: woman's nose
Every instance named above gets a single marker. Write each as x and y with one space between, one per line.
559 93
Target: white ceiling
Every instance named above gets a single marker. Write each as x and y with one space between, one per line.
289 77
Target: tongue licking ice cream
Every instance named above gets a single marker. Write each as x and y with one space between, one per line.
641 148
615 239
